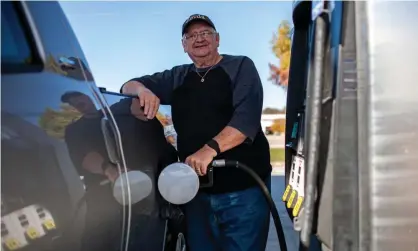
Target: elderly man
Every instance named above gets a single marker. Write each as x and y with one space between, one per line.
216 109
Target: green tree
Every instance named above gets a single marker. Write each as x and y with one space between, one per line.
281 47
54 122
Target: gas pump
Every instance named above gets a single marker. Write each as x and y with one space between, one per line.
357 90
309 109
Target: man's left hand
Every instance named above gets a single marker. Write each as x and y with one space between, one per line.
201 159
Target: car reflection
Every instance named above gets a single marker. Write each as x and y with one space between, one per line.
88 153
24 226
45 203
147 150
36 197
72 67
144 149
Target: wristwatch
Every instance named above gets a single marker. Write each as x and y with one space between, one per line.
214 145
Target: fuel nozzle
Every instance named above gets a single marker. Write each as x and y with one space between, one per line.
225 163
219 163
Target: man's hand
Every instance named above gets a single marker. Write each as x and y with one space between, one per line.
148 100
201 159
92 162
111 173
137 111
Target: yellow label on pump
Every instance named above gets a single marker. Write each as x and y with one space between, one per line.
292 197
12 244
32 233
49 224
286 192
297 207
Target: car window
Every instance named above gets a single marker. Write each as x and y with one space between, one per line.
16 49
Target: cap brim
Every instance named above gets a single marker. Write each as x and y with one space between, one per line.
186 26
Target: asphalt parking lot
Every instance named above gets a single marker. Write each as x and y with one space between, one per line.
292 238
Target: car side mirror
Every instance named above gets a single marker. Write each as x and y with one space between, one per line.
75 68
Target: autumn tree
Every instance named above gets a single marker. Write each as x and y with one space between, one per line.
54 122
281 47
279 126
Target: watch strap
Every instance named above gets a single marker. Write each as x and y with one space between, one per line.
214 145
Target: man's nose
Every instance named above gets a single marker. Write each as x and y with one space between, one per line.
200 38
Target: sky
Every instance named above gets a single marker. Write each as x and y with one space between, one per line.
122 40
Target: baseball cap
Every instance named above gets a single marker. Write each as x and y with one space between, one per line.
194 18
65 98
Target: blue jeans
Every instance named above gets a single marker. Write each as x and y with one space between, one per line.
237 221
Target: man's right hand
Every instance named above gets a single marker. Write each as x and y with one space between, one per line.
111 173
148 100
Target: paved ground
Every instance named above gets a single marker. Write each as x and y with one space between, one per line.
278 169
292 239
276 141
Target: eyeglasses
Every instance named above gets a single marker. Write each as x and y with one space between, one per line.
203 34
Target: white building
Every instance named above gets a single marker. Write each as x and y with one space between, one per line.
268 119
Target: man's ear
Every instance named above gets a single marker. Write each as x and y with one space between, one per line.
183 43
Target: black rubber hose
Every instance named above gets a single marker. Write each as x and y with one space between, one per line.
266 192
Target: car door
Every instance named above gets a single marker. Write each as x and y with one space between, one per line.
54 195
148 148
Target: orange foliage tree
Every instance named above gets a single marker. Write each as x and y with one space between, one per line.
281 47
279 126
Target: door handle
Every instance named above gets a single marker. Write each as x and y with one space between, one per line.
110 142
112 148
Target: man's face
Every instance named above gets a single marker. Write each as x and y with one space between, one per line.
200 40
